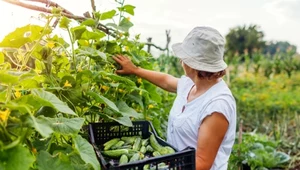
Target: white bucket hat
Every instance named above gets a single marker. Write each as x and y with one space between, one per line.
202 49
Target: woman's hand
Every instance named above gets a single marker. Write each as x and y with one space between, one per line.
162 80
127 66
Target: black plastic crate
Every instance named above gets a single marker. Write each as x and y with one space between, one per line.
103 132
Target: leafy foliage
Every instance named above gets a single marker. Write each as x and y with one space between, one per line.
243 39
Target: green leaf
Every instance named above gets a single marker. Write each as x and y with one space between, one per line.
283 157
86 152
95 35
21 107
40 126
7 78
2 95
124 25
112 25
45 161
127 8
16 158
70 80
1 57
101 99
29 84
56 103
78 31
156 123
153 92
46 111
137 98
84 76
125 120
107 15
22 35
62 125
112 47
125 110
64 22
91 52
118 78
89 22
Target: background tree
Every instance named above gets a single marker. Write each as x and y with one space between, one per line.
279 47
244 39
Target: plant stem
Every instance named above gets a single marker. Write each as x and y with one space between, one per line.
73 51
28 55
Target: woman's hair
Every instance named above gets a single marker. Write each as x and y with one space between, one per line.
210 75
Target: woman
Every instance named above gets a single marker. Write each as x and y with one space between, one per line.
203 115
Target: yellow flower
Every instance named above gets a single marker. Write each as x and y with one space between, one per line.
50 44
139 80
126 48
34 150
86 43
63 54
128 18
121 91
67 84
105 88
79 69
18 94
4 115
150 106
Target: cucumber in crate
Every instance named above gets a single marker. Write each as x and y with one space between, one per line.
138 147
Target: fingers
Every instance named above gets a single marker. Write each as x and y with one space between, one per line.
120 71
122 58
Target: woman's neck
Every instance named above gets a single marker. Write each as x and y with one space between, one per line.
200 87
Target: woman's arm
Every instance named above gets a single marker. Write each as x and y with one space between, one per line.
210 136
162 80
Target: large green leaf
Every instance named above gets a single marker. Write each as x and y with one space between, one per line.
125 24
127 8
78 31
1 57
117 78
45 161
101 99
125 110
89 22
64 22
62 125
51 98
86 151
2 95
84 76
29 84
32 101
17 158
41 126
91 52
112 47
107 15
78 163
30 80
7 78
22 35
153 92
94 35
134 96
21 107
125 120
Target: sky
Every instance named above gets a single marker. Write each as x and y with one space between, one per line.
278 19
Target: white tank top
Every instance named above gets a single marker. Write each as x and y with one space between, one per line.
183 126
